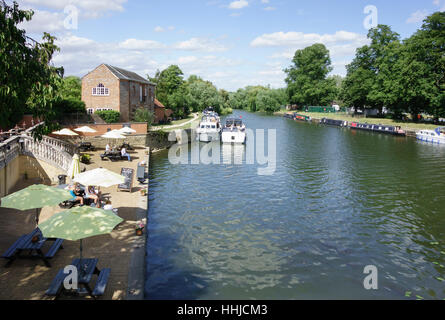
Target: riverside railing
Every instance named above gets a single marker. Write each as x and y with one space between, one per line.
53 151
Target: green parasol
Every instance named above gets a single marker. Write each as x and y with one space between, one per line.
79 223
35 197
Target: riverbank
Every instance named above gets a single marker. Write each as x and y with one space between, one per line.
122 250
406 126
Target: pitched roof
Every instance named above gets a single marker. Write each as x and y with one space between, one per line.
159 104
126 75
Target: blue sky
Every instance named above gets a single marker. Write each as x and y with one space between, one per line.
233 43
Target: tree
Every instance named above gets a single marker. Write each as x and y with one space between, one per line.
266 101
421 76
28 82
71 88
307 82
168 82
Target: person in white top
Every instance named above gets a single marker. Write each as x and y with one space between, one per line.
125 154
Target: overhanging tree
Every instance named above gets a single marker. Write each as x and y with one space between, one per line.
28 82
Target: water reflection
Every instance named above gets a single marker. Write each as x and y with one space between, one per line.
338 201
233 153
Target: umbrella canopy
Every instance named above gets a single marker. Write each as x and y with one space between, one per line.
85 129
65 132
35 197
99 177
114 134
74 169
79 223
127 130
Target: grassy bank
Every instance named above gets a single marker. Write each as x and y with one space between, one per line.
411 126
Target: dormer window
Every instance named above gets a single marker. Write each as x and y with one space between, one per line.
100 90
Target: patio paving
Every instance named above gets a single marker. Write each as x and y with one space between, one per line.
29 279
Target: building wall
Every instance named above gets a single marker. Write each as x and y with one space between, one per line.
110 81
9 176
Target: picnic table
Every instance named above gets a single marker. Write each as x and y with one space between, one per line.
86 146
86 269
112 156
32 244
127 146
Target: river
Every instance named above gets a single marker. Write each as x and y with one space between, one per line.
339 200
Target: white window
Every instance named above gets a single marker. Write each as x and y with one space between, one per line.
140 93
100 90
90 110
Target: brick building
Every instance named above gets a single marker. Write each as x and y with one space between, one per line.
112 88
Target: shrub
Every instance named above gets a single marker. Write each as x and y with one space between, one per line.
144 115
85 158
69 105
109 116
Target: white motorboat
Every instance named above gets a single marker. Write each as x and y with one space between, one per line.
209 128
433 136
234 131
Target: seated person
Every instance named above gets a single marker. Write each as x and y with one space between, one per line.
125 154
76 197
92 193
109 206
107 149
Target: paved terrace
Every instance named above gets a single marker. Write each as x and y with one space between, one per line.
29 279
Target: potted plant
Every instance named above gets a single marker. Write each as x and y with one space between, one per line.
144 192
85 159
140 228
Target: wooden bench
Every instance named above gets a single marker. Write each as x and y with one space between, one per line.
101 283
86 146
56 284
112 156
54 248
12 249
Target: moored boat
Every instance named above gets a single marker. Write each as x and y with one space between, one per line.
209 128
432 136
394 130
234 131
331 122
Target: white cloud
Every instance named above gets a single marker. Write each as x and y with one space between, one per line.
299 39
417 16
90 8
270 9
200 44
264 1
135 44
159 29
342 46
239 4
44 21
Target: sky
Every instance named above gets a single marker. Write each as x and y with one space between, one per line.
232 43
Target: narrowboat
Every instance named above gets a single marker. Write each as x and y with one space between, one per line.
337 123
394 130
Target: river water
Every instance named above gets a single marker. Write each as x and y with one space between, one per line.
339 200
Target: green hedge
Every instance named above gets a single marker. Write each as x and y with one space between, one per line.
69 106
109 116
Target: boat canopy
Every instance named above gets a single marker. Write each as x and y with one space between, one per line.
236 122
